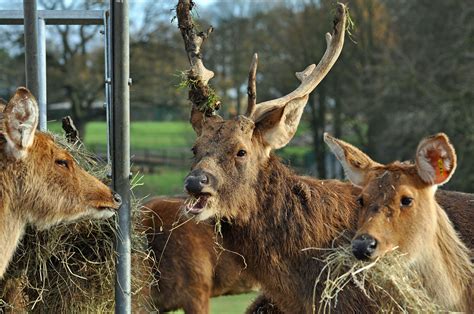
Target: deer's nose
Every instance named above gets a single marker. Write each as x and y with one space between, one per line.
364 246
117 198
196 181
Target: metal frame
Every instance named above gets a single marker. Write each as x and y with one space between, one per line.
117 104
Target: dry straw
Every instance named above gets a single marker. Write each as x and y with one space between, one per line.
71 268
388 281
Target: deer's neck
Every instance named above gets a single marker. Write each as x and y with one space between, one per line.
12 228
291 212
446 267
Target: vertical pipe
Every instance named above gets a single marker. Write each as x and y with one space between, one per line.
108 94
121 149
42 90
31 45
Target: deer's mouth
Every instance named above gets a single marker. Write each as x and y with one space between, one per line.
195 204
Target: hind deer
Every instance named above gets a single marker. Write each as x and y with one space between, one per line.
399 210
188 268
267 213
40 183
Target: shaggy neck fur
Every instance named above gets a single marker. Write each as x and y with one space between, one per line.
446 267
12 227
292 213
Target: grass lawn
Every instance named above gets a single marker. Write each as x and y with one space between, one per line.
167 181
235 304
143 135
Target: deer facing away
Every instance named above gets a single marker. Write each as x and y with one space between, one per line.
40 183
189 269
399 210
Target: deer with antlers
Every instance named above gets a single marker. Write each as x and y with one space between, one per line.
267 213
40 183
399 210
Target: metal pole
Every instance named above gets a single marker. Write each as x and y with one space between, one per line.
42 91
108 81
31 45
121 149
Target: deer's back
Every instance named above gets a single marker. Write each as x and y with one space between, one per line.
189 268
460 209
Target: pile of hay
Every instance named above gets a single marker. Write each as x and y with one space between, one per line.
388 281
71 268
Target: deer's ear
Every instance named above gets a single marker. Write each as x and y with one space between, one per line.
435 159
279 125
3 104
356 164
20 120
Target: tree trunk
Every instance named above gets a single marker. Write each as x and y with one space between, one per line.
337 133
318 125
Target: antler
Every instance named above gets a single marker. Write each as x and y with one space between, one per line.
252 87
312 76
198 75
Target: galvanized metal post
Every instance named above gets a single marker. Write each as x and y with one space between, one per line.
31 45
42 92
108 81
121 149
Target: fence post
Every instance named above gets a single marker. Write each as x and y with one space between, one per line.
30 22
121 149
42 89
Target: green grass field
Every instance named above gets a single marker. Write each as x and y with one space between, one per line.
143 135
235 304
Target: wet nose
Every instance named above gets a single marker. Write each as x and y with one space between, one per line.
117 198
195 182
364 246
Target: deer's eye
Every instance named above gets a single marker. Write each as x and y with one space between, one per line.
241 153
360 201
62 163
194 150
406 201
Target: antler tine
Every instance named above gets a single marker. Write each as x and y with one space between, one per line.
197 74
309 80
252 87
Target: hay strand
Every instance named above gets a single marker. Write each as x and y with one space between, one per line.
388 281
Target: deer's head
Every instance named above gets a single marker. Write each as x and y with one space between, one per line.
41 181
397 202
229 155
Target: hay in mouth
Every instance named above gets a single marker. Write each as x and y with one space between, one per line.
195 204
388 281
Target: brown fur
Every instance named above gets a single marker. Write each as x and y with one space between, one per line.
423 231
419 227
269 214
190 269
35 189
